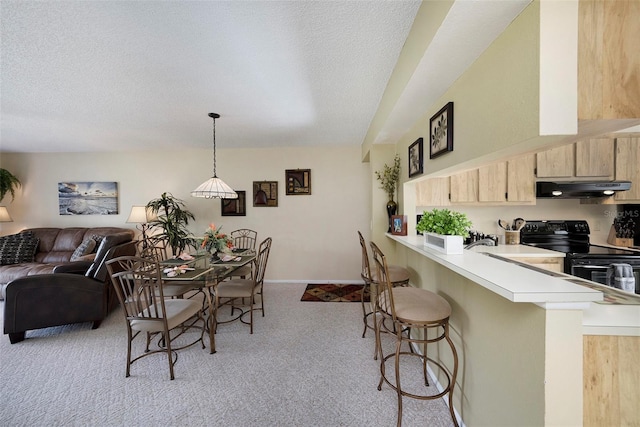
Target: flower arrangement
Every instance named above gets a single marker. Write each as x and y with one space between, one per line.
389 177
215 241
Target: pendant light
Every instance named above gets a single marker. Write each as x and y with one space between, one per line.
214 187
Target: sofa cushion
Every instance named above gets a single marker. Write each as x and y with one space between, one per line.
17 248
86 247
98 269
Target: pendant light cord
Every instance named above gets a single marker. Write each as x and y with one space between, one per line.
214 147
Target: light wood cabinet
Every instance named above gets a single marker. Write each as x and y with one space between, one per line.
556 162
464 187
610 380
492 182
594 157
628 167
521 185
548 263
433 192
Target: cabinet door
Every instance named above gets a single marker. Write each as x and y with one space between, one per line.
492 182
556 162
464 187
628 167
432 192
594 157
521 185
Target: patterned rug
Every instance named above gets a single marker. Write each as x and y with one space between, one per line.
330 292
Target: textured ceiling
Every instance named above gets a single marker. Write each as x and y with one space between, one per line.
123 75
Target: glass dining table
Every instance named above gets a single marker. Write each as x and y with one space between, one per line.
203 274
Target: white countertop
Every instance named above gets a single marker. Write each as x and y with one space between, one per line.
498 276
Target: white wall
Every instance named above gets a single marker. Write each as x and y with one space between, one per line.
314 237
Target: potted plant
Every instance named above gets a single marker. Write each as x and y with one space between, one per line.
173 219
8 184
389 177
444 230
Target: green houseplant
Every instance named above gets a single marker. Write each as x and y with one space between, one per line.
444 229
172 219
8 184
389 177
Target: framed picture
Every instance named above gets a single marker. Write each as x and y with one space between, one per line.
399 225
88 198
441 131
416 158
265 193
298 181
235 207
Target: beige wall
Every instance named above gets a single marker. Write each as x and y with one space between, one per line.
314 236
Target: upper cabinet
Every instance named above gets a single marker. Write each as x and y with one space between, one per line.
594 157
556 163
587 158
628 167
492 182
433 192
521 186
464 187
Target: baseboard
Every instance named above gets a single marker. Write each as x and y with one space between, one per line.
317 282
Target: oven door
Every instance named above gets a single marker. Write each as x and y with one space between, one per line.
596 269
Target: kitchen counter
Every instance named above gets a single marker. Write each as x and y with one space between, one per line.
498 276
606 311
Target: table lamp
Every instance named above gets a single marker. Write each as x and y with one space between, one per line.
4 215
141 216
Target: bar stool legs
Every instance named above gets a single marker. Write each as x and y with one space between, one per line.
416 317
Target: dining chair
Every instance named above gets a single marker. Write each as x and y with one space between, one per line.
156 249
244 238
399 276
410 309
240 289
138 284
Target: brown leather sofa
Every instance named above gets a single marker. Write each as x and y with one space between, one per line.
53 290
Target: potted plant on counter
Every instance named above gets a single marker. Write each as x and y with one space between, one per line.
444 230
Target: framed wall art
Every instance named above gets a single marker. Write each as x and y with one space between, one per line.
88 198
441 132
234 207
265 193
399 225
416 159
298 181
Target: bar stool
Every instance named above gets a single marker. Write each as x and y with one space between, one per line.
398 276
412 308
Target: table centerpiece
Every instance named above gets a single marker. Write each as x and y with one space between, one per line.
215 241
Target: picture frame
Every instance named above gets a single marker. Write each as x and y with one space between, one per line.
297 182
441 132
416 158
399 225
234 207
265 194
88 198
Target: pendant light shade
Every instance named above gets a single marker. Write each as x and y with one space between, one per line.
214 187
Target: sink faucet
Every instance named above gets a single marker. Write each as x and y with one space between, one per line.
482 242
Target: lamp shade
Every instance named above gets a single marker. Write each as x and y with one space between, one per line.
214 188
4 215
141 215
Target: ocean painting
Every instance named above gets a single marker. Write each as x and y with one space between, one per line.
88 198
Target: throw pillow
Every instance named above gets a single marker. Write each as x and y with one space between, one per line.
85 248
18 248
98 240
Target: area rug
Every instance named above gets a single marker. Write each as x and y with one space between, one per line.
330 292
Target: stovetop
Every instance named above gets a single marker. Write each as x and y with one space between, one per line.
570 237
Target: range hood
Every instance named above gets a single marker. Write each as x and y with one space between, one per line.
579 189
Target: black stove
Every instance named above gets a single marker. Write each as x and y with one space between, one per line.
582 259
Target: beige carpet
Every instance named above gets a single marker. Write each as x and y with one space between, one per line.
305 365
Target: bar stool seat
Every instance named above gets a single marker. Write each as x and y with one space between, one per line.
411 309
399 276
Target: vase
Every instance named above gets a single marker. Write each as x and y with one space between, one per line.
391 210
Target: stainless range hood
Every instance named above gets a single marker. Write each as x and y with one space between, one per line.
579 189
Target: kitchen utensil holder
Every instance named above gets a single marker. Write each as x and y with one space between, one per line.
511 237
